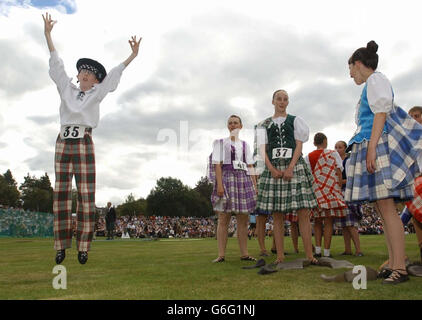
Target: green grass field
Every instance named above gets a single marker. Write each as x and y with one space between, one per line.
182 270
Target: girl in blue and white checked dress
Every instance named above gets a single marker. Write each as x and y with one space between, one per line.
384 149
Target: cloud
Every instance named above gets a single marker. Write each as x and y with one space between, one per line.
123 172
407 87
221 56
20 71
43 120
43 161
198 63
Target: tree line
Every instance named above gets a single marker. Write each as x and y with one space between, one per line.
170 197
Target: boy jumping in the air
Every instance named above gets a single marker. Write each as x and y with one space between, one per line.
74 155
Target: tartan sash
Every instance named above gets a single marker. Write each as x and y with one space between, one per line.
326 187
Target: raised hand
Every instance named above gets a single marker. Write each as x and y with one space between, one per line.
134 45
48 23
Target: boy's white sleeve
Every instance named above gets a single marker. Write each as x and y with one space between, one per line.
57 71
111 81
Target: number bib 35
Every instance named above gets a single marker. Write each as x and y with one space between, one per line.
283 153
239 165
72 132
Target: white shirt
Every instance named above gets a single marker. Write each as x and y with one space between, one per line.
84 111
222 153
379 94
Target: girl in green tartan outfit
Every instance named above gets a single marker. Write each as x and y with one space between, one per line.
285 184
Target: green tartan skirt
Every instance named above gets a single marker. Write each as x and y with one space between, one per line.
278 195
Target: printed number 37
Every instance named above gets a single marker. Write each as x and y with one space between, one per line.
279 152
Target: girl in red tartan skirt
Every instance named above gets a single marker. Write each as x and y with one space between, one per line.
79 114
326 166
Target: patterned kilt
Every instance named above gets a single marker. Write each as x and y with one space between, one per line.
278 195
415 206
352 218
239 193
362 186
327 189
396 166
74 157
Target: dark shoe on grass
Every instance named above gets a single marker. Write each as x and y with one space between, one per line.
384 273
396 277
259 263
247 258
219 259
82 257
60 255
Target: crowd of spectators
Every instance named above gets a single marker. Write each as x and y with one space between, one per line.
371 222
16 222
161 227
24 223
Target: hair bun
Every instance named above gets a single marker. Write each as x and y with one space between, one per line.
372 46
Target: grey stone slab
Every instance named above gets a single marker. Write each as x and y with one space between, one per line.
348 276
334 264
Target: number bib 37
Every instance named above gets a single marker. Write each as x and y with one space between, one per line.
283 153
72 132
239 165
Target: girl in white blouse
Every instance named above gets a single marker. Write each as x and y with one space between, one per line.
382 164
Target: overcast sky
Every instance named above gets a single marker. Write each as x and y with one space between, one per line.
199 62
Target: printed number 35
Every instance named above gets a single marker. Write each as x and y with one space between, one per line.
75 132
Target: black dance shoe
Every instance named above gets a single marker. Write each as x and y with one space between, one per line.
82 257
60 255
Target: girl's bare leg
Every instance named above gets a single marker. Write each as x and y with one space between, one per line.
279 235
395 233
306 231
347 240
260 227
295 235
222 232
242 233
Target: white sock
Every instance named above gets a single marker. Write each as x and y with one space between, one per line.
326 252
317 250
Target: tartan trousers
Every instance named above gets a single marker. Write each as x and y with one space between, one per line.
74 157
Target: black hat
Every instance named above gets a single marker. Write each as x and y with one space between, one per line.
92 65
